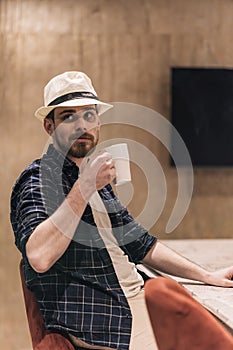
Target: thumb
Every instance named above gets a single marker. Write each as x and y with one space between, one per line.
83 164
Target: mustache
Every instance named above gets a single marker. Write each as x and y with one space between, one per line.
83 135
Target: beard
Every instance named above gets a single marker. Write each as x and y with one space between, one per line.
75 148
82 149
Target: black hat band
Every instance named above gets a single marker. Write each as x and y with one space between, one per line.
72 96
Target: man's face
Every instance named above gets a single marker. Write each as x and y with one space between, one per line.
75 130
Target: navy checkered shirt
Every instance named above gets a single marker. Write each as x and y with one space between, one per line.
80 294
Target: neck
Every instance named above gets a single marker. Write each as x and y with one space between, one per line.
77 161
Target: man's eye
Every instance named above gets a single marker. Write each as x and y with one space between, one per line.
90 116
69 118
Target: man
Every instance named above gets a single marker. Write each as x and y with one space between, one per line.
87 289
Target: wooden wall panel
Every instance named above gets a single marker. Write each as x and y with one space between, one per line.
128 48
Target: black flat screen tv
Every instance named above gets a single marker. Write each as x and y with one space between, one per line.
202 113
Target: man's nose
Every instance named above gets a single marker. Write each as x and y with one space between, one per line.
81 124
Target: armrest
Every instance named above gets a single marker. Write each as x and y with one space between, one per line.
54 341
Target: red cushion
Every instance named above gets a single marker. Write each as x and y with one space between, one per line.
180 322
54 341
42 339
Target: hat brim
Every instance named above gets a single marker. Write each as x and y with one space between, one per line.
42 112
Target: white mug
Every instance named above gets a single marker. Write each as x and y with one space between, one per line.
120 155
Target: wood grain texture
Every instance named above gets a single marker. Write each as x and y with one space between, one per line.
128 48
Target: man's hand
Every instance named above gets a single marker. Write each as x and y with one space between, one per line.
96 172
221 278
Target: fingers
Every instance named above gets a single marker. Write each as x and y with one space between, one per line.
222 277
106 173
96 161
103 161
98 169
102 158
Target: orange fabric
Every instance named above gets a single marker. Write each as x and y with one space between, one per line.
54 341
42 339
180 322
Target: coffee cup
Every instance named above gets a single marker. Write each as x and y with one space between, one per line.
120 155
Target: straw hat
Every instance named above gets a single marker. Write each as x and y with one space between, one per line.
70 89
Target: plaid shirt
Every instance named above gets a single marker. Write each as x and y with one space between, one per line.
80 294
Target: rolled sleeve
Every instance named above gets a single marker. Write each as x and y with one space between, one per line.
27 207
138 249
134 239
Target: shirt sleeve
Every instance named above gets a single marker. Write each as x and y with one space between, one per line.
138 241
28 209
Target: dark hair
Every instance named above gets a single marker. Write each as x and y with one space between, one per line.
50 115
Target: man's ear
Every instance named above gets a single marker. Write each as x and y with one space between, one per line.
49 126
